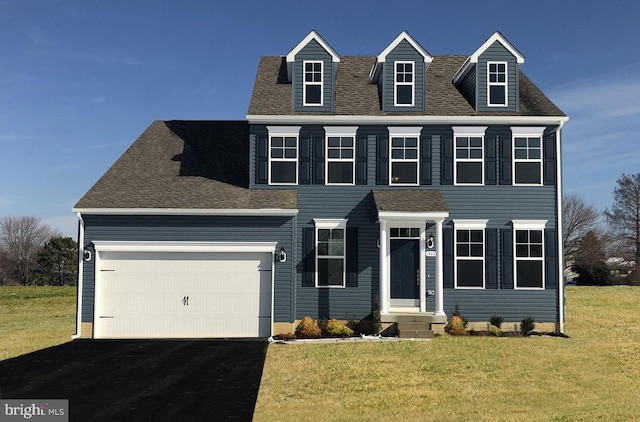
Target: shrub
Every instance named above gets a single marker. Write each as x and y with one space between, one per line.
456 326
308 327
456 312
356 325
496 321
336 328
495 330
527 325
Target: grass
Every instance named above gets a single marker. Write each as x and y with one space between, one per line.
32 318
593 375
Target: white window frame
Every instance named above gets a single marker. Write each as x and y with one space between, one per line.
284 132
528 225
505 84
331 224
305 83
468 132
526 132
469 225
404 132
341 132
396 83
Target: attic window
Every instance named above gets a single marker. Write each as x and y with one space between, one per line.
312 83
497 83
404 83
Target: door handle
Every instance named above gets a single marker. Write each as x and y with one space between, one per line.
185 300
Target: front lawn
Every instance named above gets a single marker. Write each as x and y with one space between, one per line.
593 375
35 317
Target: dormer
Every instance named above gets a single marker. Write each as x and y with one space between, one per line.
311 69
489 77
399 72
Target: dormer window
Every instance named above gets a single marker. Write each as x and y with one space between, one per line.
497 84
404 86
312 83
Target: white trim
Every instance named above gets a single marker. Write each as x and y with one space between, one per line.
405 120
305 83
283 132
526 132
406 132
497 36
189 211
411 84
561 286
340 132
331 224
206 247
469 225
404 35
505 84
530 131
80 287
528 225
313 35
468 132
409 216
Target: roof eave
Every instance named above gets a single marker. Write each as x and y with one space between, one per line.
190 211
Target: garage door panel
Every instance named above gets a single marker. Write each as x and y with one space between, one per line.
183 294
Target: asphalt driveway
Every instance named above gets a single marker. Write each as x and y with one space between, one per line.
140 380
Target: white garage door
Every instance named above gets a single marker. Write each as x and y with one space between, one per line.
182 294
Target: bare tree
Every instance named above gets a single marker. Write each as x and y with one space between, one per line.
577 219
21 238
624 216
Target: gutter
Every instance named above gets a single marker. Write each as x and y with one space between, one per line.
80 276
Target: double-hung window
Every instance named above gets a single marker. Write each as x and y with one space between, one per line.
404 83
497 84
330 252
469 155
340 163
312 83
404 155
527 155
469 253
283 155
529 254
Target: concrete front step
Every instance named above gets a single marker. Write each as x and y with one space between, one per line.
407 333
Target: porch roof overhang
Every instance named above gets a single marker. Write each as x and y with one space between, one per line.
410 204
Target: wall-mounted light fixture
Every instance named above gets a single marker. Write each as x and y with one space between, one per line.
430 241
282 256
86 254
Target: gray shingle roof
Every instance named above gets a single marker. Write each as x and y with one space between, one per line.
355 96
409 201
186 165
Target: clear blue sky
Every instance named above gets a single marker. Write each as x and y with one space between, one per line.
80 80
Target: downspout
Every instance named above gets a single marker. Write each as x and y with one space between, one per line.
561 286
80 276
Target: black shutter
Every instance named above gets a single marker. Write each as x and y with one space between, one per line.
361 161
382 172
505 160
491 259
447 161
551 259
352 257
304 161
318 160
425 160
490 161
447 257
308 257
262 158
549 161
506 264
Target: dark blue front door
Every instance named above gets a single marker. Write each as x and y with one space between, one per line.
404 269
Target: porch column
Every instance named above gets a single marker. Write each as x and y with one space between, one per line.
439 267
384 270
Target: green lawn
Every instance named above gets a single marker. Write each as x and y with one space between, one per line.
593 375
32 318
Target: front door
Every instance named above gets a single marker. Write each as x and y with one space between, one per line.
405 277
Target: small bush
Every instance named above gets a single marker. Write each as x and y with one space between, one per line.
495 330
456 312
527 325
356 325
496 321
336 328
284 336
456 326
307 328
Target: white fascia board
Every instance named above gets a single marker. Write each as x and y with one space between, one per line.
208 247
461 71
407 215
403 120
405 36
497 36
188 211
313 35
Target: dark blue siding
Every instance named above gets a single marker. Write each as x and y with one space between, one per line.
313 51
195 229
497 53
403 52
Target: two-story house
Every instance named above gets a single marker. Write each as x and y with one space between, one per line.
414 181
